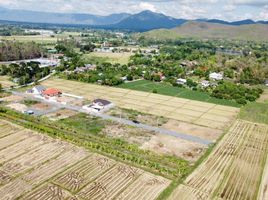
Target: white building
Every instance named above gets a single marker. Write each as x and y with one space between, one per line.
216 76
205 84
181 81
98 105
38 89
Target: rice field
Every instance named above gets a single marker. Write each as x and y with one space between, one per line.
234 170
35 166
186 110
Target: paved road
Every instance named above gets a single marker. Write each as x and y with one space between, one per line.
124 121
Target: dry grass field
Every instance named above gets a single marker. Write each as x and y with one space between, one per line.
233 170
122 58
35 166
5 82
196 112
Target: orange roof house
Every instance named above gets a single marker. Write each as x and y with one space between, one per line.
52 92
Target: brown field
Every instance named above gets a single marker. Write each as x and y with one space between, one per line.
233 170
5 82
264 97
35 166
263 192
60 114
199 113
13 98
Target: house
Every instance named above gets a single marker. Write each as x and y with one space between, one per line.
216 76
266 82
98 105
51 92
205 84
87 67
38 89
124 78
181 81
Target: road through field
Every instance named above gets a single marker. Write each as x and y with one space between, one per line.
123 121
182 109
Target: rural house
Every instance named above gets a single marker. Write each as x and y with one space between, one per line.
38 89
216 76
181 81
98 105
51 92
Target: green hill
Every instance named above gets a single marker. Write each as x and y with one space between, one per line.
204 30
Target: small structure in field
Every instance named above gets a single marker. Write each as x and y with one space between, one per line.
87 67
205 84
216 76
266 82
98 105
181 81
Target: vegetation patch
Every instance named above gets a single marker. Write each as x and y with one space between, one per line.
255 112
166 89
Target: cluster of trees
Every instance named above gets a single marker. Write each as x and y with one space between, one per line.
240 93
10 50
24 72
188 59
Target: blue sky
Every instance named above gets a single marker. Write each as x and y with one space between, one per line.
190 9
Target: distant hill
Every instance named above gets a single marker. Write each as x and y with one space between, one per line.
148 20
59 18
205 30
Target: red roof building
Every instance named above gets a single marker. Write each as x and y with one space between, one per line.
52 92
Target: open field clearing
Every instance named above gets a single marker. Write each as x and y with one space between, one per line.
233 170
196 112
113 58
165 89
35 166
5 82
264 97
35 38
263 192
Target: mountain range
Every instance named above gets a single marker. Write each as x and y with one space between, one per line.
208 30
143 21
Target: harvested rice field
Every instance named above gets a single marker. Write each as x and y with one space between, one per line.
37 167
235 168
190 111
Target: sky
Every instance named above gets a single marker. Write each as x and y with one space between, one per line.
229 10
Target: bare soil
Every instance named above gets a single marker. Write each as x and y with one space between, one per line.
192 129
168 145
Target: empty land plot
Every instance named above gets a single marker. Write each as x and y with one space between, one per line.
5 82
35 166
263 192
233 170
196 112
121 58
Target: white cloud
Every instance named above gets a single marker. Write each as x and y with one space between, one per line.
229 8
250 2
147 6
190 9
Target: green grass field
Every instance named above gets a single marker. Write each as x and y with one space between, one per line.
148 86
255 112
121 58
